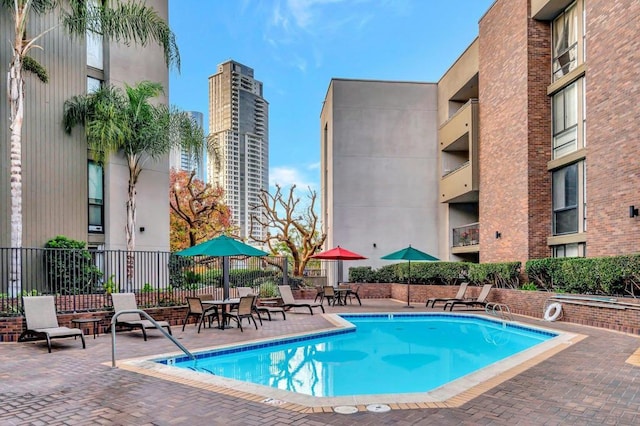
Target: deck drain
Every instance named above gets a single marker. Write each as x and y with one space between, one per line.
378 408
345 409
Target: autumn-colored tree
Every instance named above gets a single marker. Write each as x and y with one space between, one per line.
292 228
197 211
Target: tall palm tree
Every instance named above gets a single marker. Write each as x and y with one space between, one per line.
119 21
117 120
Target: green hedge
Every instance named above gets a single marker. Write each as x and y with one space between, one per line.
610 276
441 273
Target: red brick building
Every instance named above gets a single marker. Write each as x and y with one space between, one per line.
538 133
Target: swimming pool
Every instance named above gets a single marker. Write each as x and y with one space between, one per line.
383 354
451 394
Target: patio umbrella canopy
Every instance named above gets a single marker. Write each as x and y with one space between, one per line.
409 254
224 247
340 254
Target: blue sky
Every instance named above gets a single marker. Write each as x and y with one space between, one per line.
297 46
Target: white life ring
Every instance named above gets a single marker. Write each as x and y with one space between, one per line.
553 312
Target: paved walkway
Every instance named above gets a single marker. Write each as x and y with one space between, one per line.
589 383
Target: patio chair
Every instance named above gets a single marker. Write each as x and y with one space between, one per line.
353 293
480 301
196 309
244 291
290 302
459 296
329 294
245 310
319 294
127 302
42 321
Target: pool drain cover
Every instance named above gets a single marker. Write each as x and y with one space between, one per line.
345 409
378 408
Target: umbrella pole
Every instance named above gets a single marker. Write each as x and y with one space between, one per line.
225 277
409 287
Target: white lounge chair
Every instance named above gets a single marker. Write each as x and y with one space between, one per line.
127 302
290 302
42 321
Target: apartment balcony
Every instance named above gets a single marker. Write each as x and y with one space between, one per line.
458 139
466 239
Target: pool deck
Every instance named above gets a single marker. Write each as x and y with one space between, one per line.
593 381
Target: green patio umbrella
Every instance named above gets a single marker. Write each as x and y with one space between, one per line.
409 253
224 247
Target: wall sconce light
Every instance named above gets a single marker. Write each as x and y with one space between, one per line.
374 245
498 235
633 211
142 229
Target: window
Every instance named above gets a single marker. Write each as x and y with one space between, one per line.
95 50
93 84
566 32
565 121
569 250
565 200
96 198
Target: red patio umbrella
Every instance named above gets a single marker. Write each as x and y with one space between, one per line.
338 253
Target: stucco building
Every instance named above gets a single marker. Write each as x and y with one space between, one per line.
63 191
537 139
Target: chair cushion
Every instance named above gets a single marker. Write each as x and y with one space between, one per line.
60 331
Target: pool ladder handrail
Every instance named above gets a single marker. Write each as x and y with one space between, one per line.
499 310
154 322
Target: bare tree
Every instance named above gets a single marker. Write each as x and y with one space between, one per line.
292 228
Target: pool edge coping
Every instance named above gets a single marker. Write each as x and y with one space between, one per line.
453 394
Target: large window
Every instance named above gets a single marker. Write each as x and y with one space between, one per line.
566 33
570 250
95 49
96 198
565 121
565 200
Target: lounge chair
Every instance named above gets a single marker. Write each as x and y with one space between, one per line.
42 322
263 309
244 291
480 301
290 302
127 302
196 309
245 311
459 296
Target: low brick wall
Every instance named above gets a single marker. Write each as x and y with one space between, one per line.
530 303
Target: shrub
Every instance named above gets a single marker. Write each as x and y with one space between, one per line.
70 269
500 275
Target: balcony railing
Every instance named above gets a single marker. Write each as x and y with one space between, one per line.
467 235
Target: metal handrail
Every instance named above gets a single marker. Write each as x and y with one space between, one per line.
154 322
499 310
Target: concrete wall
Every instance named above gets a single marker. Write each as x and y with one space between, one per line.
380 163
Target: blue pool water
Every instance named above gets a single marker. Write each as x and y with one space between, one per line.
385 354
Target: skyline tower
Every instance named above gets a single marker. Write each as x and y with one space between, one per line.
238 129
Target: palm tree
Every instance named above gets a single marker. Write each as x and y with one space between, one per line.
117 120
123 22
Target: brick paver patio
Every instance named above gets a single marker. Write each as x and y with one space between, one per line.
589 383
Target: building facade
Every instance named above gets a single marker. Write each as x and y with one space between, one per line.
183 159
239 143
379 162
536 135
63 191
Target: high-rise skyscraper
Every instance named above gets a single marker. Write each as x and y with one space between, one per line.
239 138
183 159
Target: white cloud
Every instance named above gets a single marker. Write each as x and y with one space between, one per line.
287 176
314 166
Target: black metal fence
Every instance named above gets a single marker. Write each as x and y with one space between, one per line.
83 279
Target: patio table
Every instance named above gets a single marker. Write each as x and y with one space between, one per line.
223 304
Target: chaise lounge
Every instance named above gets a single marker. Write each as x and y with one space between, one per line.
290 302
127 302
458 296
480 301
42 322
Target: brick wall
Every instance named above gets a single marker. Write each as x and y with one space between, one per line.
613 126
504 133
529 303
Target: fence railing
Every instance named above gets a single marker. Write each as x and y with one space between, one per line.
467 235
83 279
